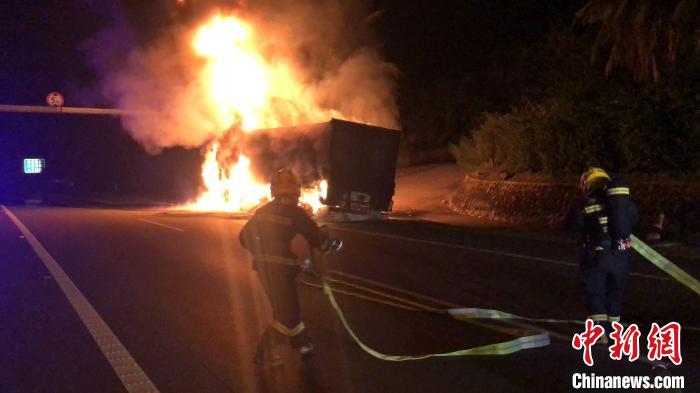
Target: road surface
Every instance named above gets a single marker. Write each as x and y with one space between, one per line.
174 292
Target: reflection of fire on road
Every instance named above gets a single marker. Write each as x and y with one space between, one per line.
247 93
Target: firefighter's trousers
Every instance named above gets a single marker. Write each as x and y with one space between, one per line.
280 285
603 276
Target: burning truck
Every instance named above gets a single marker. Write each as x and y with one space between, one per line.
254 97
357 161
272 116
344 165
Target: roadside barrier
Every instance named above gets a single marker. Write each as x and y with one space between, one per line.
664 264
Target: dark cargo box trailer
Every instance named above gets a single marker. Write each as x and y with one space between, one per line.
357 160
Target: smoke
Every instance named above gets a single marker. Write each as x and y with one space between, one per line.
329 43
359 89
303 149
160 83
333 44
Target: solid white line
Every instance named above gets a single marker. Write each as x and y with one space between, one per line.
493 252
162 225
123 364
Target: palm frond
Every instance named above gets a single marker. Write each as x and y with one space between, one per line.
639 33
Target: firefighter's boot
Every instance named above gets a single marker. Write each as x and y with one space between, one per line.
267 353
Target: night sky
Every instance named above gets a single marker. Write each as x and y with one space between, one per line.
45 46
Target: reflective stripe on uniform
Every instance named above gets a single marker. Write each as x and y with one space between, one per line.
618 191
599 248
276 259
613 319
287 331
277 219
593 208
603 220
598 317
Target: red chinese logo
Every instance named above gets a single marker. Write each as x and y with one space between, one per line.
665 342
626 342
662 342
586 340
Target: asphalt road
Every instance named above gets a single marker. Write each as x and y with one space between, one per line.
177 292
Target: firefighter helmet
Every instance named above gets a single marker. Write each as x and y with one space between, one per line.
285 182
593 179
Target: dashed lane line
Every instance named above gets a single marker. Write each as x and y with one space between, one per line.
129 372
162 225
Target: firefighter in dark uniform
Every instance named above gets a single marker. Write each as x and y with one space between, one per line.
606 216
280 237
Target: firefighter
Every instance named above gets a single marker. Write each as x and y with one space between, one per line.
606 216
280 236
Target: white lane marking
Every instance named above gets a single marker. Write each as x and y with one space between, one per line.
162 225
494 252
124 365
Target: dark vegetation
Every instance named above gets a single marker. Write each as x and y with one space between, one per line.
620 88
579 117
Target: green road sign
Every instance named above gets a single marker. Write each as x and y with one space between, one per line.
34 165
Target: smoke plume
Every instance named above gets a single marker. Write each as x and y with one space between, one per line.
329 43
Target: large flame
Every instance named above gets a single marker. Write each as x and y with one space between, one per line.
249 92
229 189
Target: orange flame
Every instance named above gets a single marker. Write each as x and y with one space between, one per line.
229 189
249 92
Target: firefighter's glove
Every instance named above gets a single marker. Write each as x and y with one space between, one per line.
622 245
307 266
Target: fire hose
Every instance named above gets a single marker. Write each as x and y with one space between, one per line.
541 339
501 348
538 340
664 264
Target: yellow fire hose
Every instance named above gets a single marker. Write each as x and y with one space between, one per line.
502 348
465 314
664 264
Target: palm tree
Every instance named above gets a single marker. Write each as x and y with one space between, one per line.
643 36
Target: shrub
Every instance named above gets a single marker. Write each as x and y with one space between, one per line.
620 126
499 141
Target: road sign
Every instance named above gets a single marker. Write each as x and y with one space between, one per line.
34 165
54 99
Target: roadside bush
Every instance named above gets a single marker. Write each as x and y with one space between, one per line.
621 126
555 139
498 141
